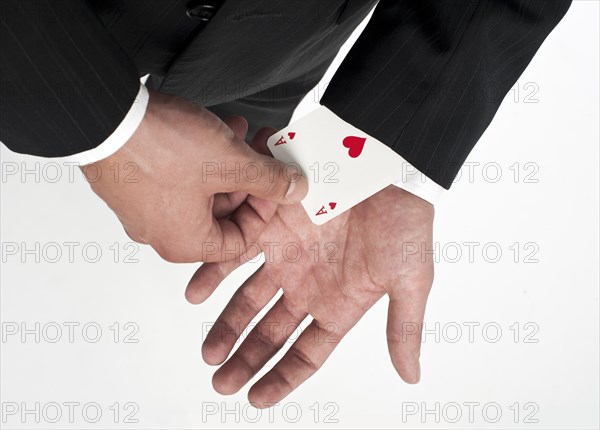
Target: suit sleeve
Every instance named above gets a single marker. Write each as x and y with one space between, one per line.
66 84
426 77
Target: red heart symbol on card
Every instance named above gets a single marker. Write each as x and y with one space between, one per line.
291 135
355 145
332 205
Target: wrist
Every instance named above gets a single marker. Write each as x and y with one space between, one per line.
140 130
413 199
409 201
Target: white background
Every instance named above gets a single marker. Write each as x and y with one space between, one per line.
549 289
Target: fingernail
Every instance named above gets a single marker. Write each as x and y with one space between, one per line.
290 191
297 189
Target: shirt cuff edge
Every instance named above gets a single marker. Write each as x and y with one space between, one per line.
119 137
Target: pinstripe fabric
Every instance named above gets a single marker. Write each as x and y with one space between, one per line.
426 76
65 83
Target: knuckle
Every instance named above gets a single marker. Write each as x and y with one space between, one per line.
304 360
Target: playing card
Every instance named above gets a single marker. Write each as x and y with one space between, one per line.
343 165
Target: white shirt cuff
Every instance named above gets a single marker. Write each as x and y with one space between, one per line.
119 137
419 184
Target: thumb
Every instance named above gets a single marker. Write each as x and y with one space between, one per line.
404 327
265 177
404 340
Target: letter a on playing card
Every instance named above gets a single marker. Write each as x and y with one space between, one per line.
281 141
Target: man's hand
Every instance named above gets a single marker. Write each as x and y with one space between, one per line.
334 273
191 171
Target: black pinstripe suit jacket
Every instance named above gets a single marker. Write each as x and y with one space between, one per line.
426 77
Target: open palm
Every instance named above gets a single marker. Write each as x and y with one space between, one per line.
335 273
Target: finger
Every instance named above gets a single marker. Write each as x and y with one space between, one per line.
265 208
263 342
250 218
259 145
303 359
404 326
225 204
259 142
238 125
230 238
265 177
245 304
210 275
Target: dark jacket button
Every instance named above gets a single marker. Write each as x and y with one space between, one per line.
201 12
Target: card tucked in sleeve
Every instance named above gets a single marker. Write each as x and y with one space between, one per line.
343 165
